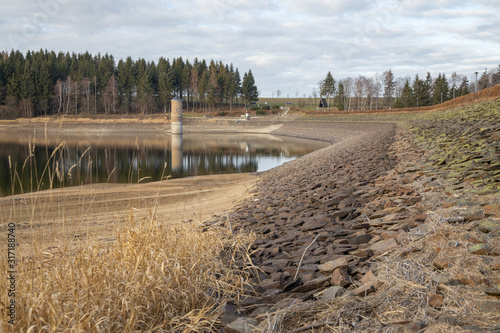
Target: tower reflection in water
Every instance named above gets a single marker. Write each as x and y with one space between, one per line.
137 159
177 153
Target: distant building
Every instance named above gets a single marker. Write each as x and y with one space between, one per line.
323 103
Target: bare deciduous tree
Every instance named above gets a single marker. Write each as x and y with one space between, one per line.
111 95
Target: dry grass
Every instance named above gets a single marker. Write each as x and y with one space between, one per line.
103 119
388 117
154 277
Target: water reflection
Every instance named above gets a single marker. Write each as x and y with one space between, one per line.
177 153
50 162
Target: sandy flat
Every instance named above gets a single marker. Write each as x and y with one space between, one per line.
78 212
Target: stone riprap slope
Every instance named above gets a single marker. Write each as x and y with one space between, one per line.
464 145
316 214
366 234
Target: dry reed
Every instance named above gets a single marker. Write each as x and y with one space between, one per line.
154 277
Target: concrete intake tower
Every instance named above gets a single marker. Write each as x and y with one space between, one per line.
176 115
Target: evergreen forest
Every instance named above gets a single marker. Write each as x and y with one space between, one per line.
43 83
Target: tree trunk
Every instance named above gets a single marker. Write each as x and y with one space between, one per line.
68 95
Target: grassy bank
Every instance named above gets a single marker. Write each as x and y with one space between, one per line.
150 275
382 117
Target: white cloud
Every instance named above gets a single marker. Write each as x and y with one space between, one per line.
289 45
327 7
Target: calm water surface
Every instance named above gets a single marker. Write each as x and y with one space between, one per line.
28 165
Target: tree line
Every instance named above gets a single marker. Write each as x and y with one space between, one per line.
43 83
387 91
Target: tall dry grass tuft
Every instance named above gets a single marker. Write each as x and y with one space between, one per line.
154 277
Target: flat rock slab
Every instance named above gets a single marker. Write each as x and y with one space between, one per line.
384 246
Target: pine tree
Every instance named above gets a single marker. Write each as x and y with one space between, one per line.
106 68
427 96
440 89
419 92
221 83
485 80
249 90
203 87
165 83
126 82
233 83
153 78
27 92
328 87
464 87
193 81
143 89
389 87
340 97
237 84
14 87
496 76
44 87
186 75
27 88
3 80
177 75
213 84
201 68
42 82
407 95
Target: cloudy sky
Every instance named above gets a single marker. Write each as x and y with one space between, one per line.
289 45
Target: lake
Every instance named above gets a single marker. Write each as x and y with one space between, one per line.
28 165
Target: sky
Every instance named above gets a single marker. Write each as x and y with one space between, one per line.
289 45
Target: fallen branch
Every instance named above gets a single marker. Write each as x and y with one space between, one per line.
303 254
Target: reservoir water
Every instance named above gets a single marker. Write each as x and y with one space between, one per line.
28 165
